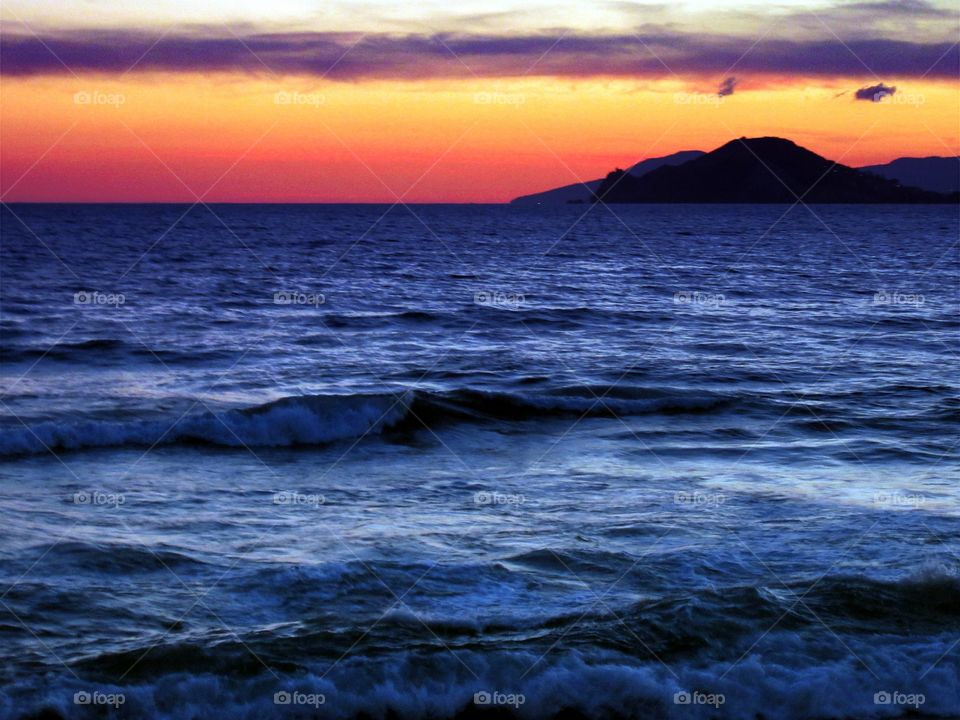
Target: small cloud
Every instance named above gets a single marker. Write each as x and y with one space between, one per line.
727 86
875 93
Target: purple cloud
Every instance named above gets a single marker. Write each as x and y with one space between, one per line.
727 86
346 56
875 93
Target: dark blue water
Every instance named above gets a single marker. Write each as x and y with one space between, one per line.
324 461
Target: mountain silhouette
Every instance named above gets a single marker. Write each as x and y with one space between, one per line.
760 170
937 174
584 192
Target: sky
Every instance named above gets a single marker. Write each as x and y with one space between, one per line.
380 101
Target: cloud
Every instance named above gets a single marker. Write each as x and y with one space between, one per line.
727 86
874 93
355 56
898 8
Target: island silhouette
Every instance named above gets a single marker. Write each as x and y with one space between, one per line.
764 170
584 191
940 174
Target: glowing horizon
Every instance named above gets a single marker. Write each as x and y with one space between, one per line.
132 112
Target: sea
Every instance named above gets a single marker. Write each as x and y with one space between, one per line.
419 461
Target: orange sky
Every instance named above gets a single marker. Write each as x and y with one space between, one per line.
176 137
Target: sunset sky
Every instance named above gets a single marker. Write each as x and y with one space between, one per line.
382 101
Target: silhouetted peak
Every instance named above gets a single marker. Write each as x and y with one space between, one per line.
759 170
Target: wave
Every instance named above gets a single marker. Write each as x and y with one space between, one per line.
786 678
579 401
118 557
64 350
926 598
323 419
768 655
370 320
303 420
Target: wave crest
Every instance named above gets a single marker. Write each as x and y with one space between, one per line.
303 420
321 419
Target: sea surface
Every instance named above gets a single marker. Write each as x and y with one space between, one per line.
430 461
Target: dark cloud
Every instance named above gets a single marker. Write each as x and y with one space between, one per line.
898 8
727 86
346 56
874 93
889 19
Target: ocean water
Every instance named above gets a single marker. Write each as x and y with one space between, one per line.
314 461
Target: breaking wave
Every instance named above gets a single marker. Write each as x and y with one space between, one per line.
321 419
